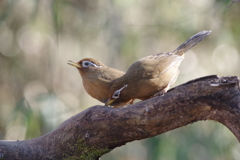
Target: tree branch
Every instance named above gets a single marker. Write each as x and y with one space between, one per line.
99 129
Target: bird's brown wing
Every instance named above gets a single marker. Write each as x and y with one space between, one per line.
98 86
152 66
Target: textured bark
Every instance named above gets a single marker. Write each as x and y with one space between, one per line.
98 129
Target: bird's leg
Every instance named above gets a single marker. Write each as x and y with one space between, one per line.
131 101
162 92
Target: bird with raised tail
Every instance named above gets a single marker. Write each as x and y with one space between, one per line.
150 75
97 78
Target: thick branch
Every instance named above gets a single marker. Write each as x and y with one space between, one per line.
98 129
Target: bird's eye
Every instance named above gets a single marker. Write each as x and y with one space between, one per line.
86 64
116 94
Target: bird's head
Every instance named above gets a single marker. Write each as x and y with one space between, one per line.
87 64
117 98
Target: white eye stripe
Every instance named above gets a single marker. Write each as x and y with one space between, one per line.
117 93
97 66
87 64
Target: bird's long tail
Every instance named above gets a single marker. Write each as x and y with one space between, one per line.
183 48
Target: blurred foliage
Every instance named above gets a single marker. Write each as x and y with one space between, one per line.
39 90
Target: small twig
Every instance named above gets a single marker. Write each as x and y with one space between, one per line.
233 2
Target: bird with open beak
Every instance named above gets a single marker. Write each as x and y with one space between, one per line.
97 78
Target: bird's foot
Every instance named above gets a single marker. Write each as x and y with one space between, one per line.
131 101
160 93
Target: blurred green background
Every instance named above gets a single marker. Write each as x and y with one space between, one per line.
38 90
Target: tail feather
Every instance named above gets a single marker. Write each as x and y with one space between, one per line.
183 48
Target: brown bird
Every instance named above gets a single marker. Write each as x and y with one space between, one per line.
150 75
97 78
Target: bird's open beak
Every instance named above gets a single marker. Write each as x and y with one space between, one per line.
109 102
72 63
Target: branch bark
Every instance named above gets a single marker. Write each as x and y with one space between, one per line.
99 129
